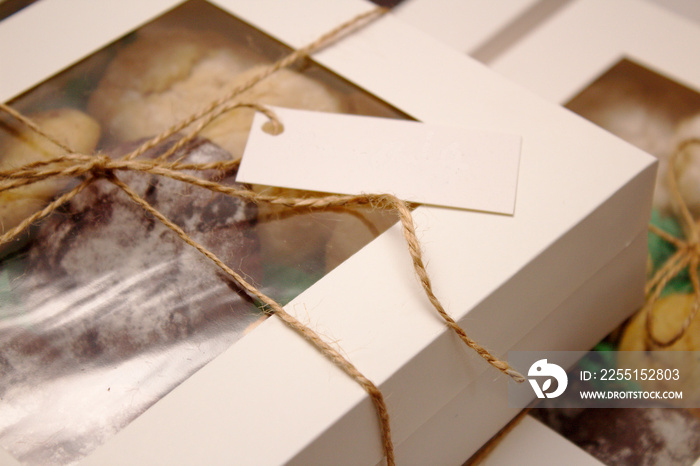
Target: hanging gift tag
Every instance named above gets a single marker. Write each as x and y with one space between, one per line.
349 154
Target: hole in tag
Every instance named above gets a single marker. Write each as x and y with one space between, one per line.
273 127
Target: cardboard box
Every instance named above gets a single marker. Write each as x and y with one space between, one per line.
533 443
463 25
485 30
632 74
637 30
548 277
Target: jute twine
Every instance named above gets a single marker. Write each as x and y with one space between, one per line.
99 166
686 256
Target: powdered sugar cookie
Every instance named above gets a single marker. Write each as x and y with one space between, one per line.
670 312
167 75
20 146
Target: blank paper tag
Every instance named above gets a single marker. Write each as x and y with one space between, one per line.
349 154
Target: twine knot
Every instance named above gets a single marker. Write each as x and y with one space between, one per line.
686 256
100 166
694 248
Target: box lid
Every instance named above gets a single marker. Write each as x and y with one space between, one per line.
583 195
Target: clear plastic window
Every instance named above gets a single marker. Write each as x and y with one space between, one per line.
103 310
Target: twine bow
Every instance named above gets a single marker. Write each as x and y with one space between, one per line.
687 255
100 166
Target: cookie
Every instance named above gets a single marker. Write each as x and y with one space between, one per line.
110 310
167 75
670 313
20 146
643 437
138 285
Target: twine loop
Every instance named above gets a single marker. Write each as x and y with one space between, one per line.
686 256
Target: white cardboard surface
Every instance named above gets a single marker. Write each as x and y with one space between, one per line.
444 431
543 63
587 37
531 443
6 459
59 44
271 397
687 8
446 166
461 24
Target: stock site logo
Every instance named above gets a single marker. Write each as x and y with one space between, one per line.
541 369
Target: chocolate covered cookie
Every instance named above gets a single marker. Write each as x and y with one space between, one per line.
110 309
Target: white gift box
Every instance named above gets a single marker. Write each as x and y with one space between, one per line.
465 25
531 443
567 267
544 61
602 34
